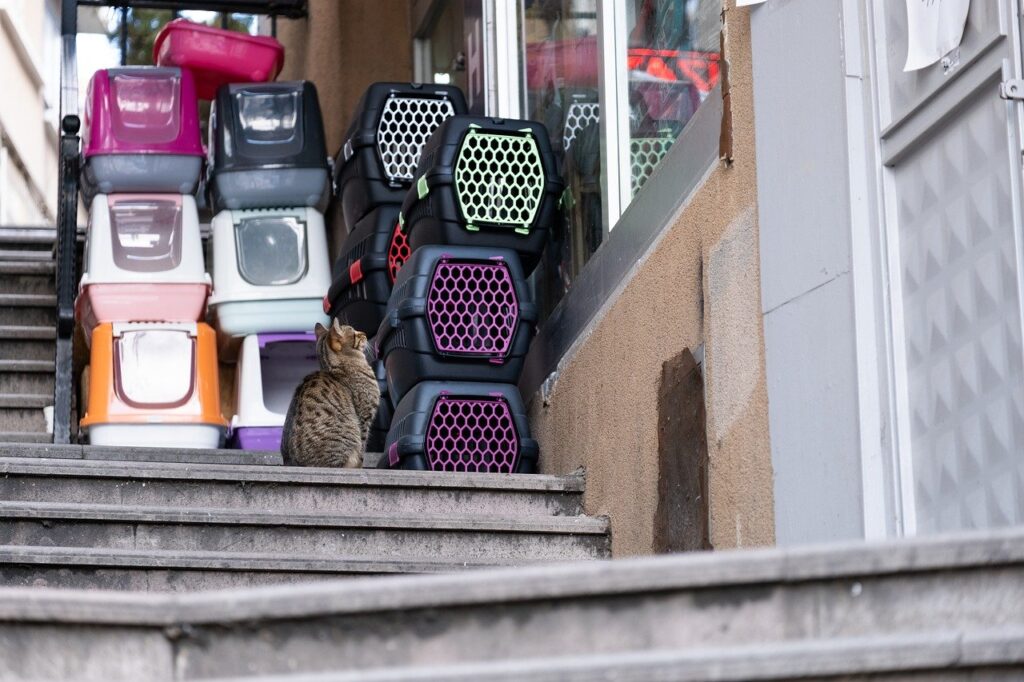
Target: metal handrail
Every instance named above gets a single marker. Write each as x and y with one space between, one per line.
70 149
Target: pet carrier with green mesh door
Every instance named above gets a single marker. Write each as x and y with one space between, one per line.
376 162
365 272
461 426
486 182
457 313
647 148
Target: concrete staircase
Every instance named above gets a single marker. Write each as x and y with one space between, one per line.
939 609
27 332
175 526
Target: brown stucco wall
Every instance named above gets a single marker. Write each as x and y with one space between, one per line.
343 46
699 286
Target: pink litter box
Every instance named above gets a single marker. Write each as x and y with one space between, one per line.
141 132
143 261
216 56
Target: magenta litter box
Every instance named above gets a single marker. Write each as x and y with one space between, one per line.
270 368
141 132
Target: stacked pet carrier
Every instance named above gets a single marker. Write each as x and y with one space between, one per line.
153 362
455 329
267 183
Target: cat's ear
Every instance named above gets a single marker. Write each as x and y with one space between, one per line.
336 327
319 330
359 341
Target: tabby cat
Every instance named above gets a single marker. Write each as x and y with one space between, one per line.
330 415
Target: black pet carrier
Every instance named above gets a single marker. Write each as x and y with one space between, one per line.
457 313
267 147
376 163
486 182
382 422
365 272
461 426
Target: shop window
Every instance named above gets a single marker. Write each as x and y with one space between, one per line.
665 63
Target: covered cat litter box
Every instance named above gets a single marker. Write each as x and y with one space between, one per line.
267 147
485 182
143 261
141 132
217 56
270 271
476 427
377 162
155 385
457 313
385 410
270 368
365 272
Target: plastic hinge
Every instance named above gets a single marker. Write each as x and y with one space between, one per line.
422 189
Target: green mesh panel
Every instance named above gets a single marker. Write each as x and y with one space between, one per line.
499 179
645 155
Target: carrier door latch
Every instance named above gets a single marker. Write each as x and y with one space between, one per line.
1012 89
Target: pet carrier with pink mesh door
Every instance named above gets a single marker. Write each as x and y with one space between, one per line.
461 426
141 132
486 182
375 165
267 147
366 270
382 422
457 313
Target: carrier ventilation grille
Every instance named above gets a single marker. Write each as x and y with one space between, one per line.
405 125
578 117
499 179
398 252
645 155
476 435
472 309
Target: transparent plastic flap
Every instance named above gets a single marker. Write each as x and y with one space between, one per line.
283 366
268 117
155 368
271 250
146 107
146 234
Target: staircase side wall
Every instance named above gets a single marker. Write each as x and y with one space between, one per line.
698 290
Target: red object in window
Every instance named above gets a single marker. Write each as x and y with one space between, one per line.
355 271
700 68
398 252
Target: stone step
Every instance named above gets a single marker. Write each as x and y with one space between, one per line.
38 383
22 331
686 604
177 571
15 300
254 487
36 316
25 400
140 455
28 237
25 255
477 537
22 267
27 349
21 418
25 437
36 281
939 657
23 366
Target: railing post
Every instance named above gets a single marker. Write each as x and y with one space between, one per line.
67 226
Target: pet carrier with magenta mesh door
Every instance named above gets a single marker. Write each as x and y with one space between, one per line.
141 132
457 313
143 261
381 422
486 182
461 426
154 384
270 272
270 368
363 275
217 56
376 163
267 147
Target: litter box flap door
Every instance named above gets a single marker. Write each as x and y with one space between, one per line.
146 232
146 106
285 360
269 122
271 250
155 368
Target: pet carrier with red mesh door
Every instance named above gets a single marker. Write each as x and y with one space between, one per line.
382 422
375 165
457 313
461 426
267 148
365 272
486 182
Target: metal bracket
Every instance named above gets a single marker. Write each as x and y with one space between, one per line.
1012 89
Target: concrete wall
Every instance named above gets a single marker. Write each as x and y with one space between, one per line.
698 288
807 284
343 46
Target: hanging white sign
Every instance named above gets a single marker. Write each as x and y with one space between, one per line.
744 3
934 29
